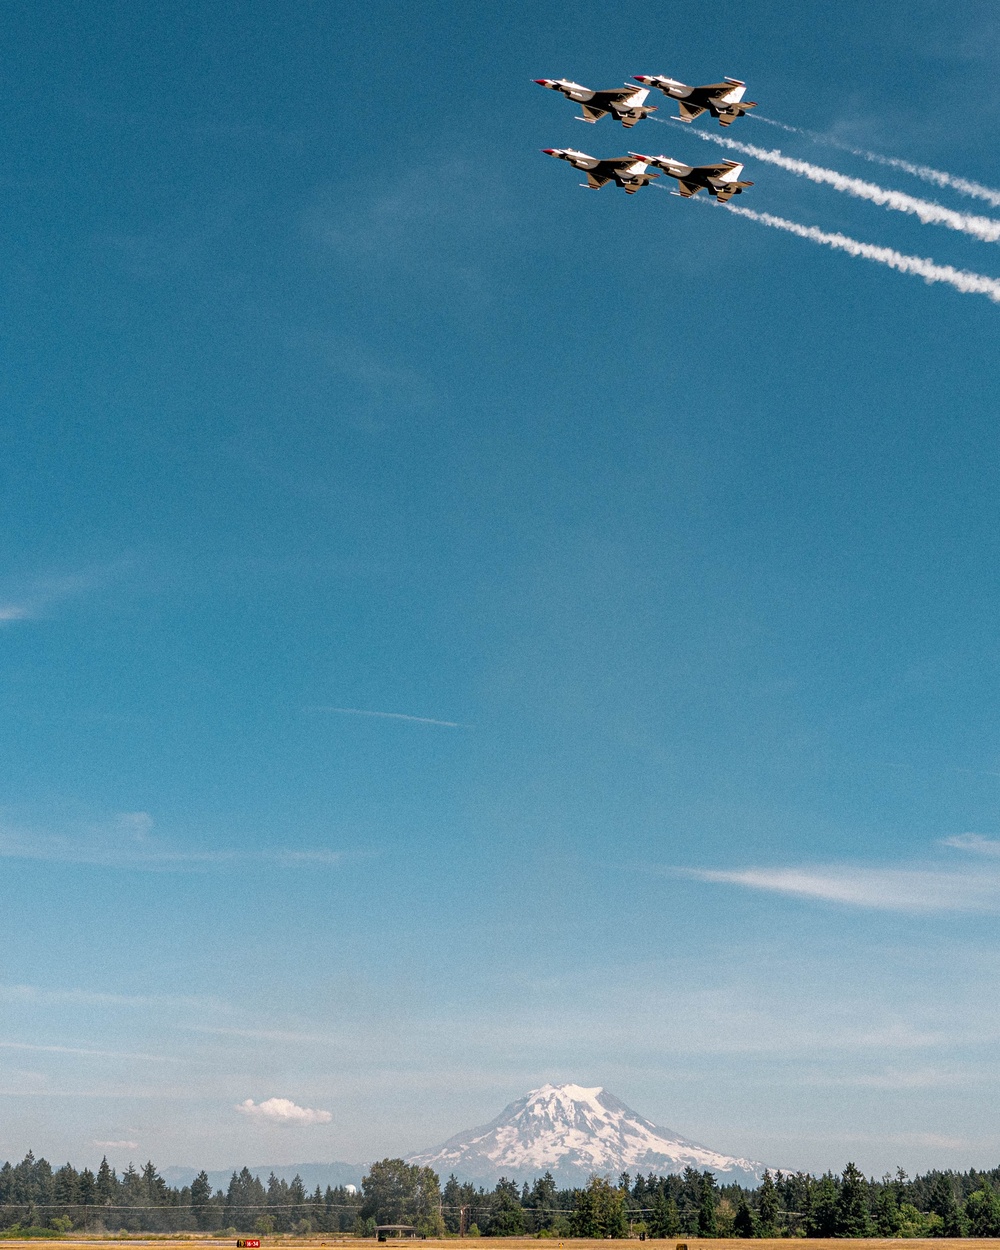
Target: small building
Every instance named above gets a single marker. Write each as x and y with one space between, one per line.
385 1232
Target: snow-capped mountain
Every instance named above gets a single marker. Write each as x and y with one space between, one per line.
572 1132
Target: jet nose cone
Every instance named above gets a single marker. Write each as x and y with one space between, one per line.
549 151
542 82
641 77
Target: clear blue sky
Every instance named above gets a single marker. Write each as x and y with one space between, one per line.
322 388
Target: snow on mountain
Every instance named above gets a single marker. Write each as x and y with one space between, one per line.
573 1131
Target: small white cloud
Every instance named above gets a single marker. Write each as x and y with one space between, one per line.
117 1145
15 612
282 1111
974 842
884 889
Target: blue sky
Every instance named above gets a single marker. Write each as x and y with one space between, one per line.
668 539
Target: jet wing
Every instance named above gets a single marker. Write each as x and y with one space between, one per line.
689 112
591 114
687 189
596 181
721 168
620 95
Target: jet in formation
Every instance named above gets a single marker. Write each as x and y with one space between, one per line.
628 172
625 104
721 180
723 100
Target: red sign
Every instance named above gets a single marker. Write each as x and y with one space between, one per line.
249 1244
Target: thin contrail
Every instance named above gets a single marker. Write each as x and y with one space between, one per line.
421 720
769 121
985 228
961 279
938 177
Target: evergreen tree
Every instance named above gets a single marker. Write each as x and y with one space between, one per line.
706 1208
852 1218
540 1204
506 1213
745 1223
768 1206
86 1188
822 1217
944 1205
106 1186
65 1189
245 1201
201 1199
297 1203
666 1220
885 1210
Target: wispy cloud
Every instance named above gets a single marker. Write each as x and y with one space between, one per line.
961 279
282 1111
974 842
986 229
85 1052
33 599
264 1035
862 885
33 994
116 1145
126 842
420 720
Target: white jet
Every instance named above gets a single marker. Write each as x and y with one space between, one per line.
625 104
628 172
721 180
723 100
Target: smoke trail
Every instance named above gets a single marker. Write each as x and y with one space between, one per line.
961 279
938 177
792 130
930 213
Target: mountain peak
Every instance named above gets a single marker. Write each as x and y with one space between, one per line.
574 1131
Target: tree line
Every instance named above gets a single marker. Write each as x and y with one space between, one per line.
35 1195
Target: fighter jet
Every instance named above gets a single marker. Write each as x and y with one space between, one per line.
625 104
723 100
627 171
720 180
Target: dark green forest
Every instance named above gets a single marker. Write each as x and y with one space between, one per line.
36 1196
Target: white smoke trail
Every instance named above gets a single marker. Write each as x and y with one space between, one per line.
938 177
769 121
960 279
930 213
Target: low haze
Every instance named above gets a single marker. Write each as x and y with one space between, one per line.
461 631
